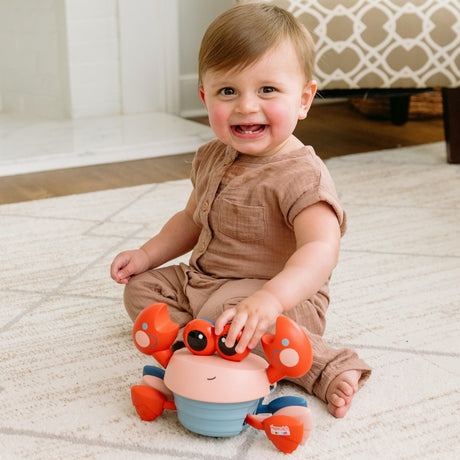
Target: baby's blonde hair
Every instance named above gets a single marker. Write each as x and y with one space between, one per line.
242 34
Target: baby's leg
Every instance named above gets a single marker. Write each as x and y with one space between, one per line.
341 390
335 375
159 285
229 295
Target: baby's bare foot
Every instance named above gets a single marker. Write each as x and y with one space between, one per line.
341 391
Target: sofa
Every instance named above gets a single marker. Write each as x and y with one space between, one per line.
387 48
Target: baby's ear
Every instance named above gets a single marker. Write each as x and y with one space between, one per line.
202 96
308 94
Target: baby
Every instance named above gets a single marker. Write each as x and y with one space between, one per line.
263 220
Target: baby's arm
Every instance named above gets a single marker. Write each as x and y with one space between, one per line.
317 233
178 236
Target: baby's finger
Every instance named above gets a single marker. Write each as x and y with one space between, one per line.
123 279
255 333
223 319
117 266
238 323
250 328
243 343
256 337
114 271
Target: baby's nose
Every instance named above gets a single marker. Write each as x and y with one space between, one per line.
248 103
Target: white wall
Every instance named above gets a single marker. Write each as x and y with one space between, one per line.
80 58
194 18
93 58
149 55
33 61
123 56
59 58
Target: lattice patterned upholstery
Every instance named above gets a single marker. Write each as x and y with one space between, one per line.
382 43
395 46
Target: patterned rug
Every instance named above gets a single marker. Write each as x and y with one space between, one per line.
67 359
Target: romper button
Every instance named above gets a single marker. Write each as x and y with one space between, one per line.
201 248
205 206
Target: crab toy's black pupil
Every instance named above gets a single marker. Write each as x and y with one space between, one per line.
197 340
224 349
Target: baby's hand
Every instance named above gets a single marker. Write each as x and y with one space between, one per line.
127 264
254 316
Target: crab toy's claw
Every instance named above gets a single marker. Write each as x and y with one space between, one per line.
288 350
154 332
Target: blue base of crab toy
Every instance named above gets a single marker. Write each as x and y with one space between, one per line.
214 419
226 419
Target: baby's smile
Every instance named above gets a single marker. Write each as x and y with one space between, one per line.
249 129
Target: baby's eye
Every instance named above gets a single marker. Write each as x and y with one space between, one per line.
227 91
267 89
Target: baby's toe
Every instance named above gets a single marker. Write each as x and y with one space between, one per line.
336 400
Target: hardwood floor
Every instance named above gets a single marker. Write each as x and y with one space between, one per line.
333 129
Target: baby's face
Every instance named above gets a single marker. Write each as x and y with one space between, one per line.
255 109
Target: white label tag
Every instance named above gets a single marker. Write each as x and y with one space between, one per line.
280 430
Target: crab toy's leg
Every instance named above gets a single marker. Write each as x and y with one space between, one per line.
288 350
154 332
153 397
296 407
290 424
153 376
293 406
149 402
284 432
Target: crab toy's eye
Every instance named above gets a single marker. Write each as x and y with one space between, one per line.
197 340
226 352
199 337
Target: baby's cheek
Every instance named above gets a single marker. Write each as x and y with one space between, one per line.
283 114
218 117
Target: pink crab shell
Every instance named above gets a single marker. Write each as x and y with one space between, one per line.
217 380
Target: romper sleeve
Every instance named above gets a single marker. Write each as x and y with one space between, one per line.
311 184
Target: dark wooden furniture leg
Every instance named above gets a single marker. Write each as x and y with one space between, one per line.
451 108
399 109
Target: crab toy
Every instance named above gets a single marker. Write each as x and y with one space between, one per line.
217 391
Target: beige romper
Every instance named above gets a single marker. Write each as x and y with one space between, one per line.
246 206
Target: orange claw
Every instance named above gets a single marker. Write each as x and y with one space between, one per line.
154 332
288 350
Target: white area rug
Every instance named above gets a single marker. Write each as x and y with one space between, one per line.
68 362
